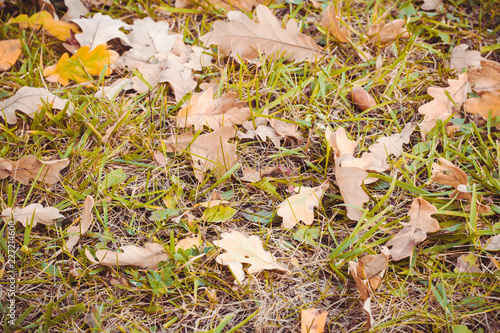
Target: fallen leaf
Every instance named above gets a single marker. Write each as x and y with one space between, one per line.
486 103
32 214
80 65
467 263
300 206
243 38
253 176
486 77
246 5
350 180
385 33
204 110
449 174
392 144
244 249
330 21
415 231
339 142
188 242
286 129
76 231
10 50
432 4
76 9
493 244
119 282
257 128
59 29
99 30
369 271
441 107
461 59
29 101
30 167
148 256
313 320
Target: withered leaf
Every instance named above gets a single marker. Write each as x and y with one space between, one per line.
385 33
10 50
148 256
486 77
313 320
330 21
99 30
460 58
76 231
30 167
32 214
487 103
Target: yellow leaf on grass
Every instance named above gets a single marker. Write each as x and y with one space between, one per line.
80 66
59 29
10 50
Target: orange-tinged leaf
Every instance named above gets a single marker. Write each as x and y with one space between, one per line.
148 256
32 214
313 320
486 77
188 242
59 29
486 103
10 50
330 21
415 231
449 174
80 66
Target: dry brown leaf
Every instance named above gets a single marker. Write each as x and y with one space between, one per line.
441 107
461 59
350 180
76 231
286 129
10 50
257 127
32 214
486 77
449 174
29 101
300 206
330 21
385 33
204 110
432 4
100 29
30 167
393 144
148 256
244 249
188 242
415 231
178 143
468 263
253 176
313 320
339 142
493 244
243 38
486 103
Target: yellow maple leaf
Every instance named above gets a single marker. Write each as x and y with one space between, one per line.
59 29
81 65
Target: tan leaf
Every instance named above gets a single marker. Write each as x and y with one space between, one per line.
10 50
30 167
350 180
313 320
449 174
493 244
385 33
339 142
393 144
468 263
204 110
330 21
100 29
486 77
300 206
253 176
76 9
286 129
441 107
76 231
29 101
461 58
415 231
32 214
486 102
188 242
432 4
242 37
148 256
178 143
369 271
257 127
244 249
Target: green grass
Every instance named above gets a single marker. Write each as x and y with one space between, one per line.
59 291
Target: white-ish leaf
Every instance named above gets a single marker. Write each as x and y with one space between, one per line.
32 214
148 256
99 30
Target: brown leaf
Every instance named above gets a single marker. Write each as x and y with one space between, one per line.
244 249
486 77
461 58
10 50
148 256
204 110
385 33
286 129
350 180
246 5
330 21
30 167
449 174
468 263
313 320
253 176
32 214
257 127
243 38
339 142
300 206
29 101
415 231
486 102
393 144
441 107
76 231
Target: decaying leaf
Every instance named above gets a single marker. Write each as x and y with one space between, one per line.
330 21
486 77
204 110
59 29
76 231
30 167
448 174
415 231
461 59
313 320
385 33
286 129
468 263
29 101
244 249
32 214
441 107
300 206
243 38
10 50
487 103
148 256
80 65
493 244
99 30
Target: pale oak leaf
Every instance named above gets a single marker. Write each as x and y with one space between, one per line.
486 77
30 167
460 58
148 256
313 320
100 29
32 214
